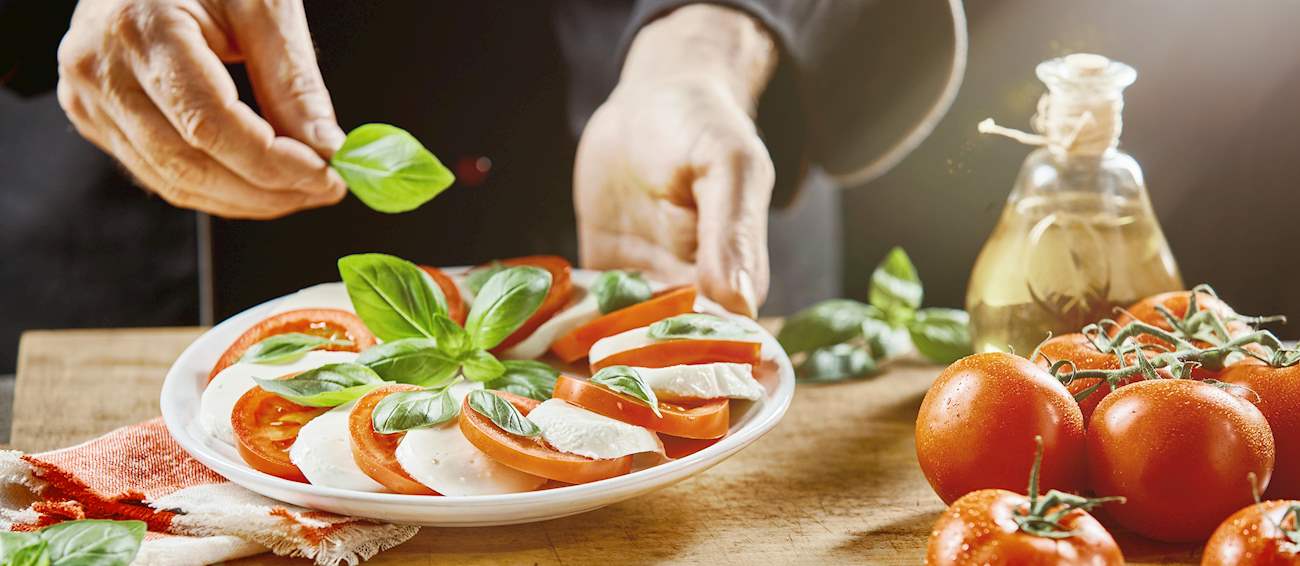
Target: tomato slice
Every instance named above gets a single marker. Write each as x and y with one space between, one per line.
685 352
709 419
671 302
676 447
533 455
266 425
456 308
326 323
375 453
559 295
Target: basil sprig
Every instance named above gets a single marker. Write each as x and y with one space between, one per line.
617 289
90 542
388 169
502 413
417 361
627 381
505 302
327 386
526 378
843 339
395 298
409 410
700 326
287 348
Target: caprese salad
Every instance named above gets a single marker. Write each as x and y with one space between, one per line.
406 379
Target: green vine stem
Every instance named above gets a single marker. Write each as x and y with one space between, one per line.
1292 532
1042 517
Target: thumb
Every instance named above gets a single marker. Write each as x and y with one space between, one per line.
276 45
732 199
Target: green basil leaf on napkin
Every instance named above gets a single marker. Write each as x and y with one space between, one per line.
506 301
287 348
823 324
327 386
526 378
941 335
836 363
502 413
409 410
618 289
93 542
417 361
895 287
627 381
700 326
395 298
388 169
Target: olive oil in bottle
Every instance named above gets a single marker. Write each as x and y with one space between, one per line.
1078 236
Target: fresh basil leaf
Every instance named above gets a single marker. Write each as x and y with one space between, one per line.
627 381
93 542
825 324
417 361
618 289
327 386
502 413
287 348
506 301
696 325
451 338
23 549
388 169
941 335
479 277
885 341
895 287
409 410
395 298
481 365
526 378
836 363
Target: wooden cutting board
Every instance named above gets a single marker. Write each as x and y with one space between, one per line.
835 482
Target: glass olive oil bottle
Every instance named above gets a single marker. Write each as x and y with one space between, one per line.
1078 236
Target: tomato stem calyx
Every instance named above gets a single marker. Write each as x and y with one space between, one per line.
1042 517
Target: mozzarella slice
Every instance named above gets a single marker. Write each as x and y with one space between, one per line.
703 381
323 296
221 394
572 429
579 312
323 451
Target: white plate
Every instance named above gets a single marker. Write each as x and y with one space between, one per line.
180 408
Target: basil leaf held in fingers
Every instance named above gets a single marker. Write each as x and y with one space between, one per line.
526 378
327 386
618 289
700 326
287 348
824 324
627 381
417 361
388 169
409 410
506 301
895 287
477 278
93 542
941 335
392 296
836 363
502 413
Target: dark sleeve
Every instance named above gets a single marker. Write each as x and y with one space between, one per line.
30 31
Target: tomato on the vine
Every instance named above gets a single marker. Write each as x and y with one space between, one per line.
1179 451
1276 392
1264 534
976 427
1084 355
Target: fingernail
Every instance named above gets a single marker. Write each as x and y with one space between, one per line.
326 136
743 283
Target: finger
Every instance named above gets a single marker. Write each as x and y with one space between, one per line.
732 197
187 82
277 48
600 248
79 115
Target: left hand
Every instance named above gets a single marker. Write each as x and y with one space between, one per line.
671 177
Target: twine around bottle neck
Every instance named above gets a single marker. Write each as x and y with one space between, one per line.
1070 124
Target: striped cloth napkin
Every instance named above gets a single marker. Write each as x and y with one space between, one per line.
194 515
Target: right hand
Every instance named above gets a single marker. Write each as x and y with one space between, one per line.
145 81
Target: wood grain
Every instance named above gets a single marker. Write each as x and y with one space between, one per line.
835 482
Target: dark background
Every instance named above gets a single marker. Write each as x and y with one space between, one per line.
1213 119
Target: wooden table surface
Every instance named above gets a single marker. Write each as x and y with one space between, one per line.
835 482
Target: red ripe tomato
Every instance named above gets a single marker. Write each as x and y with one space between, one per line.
266 426
1276 392
980 529
977 424
376 453
1251 536
1177 303
671 302
1078 349
326 323
1180 451
559 295
705 419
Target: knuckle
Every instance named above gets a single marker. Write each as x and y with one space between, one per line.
198 127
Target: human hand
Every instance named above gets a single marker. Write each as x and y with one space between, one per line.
144 80
671 177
